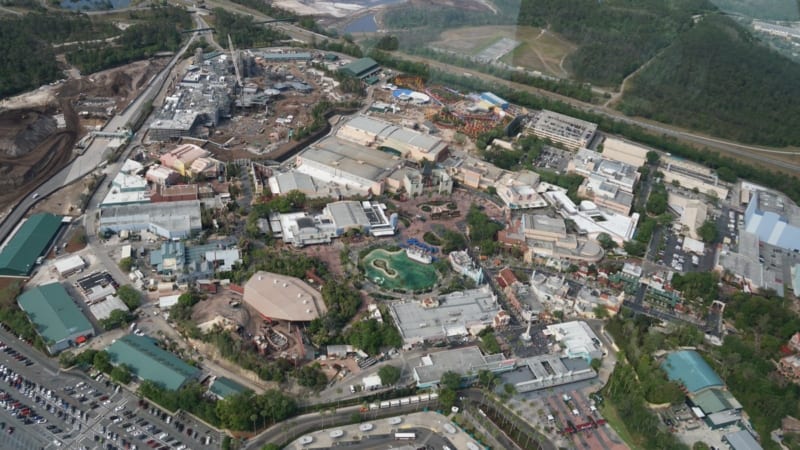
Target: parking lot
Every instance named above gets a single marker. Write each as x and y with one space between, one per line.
43 407
554 159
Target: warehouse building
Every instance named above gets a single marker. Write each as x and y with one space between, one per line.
57 318
31 240
362 69
280 297
705 390
453 315
150 362
592 221
607 183
69 265
404 142
467 361
692 176
173 220
774 219
625 152
358 168
367 217
225 387
548 371
571 132
127 189
693 213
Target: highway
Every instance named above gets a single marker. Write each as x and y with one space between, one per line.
94 155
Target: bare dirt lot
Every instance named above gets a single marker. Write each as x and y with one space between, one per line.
539 49
34 145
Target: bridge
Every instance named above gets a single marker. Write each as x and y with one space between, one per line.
198 30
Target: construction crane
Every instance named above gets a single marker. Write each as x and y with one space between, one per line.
235 63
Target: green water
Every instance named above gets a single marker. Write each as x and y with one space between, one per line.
408 275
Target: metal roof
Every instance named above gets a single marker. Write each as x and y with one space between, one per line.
689 368
54 313
360 67
28 243
225 387
150 362
742 440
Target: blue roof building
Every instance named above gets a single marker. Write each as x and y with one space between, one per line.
775 219
690 369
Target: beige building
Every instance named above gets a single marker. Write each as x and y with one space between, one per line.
693 213
692 176
569 131
623 151
279 297
407 143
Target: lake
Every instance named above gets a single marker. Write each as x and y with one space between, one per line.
364 24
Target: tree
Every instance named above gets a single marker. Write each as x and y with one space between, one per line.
312 376
596 364
487 378
390 375
117 319
635 248
130 296
600 312
125 264
447 398
606 241
450 380
121 374
509 389
699 445
653 157
453 241
708 232
102 362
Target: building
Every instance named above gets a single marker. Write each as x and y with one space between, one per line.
467 362
625 152
401 141
704 388
571 132
149 362
173 220
103 308
453 315
280 57
607 183
202 98
463 265
693 213
494 100
56 317
519 191
281 183
692 176
577 340
548 371
774 219
776 30
162 176
359 168
170 259
337 218
789 366
31 240
362 69
592 221
223 387
181 158
223 260
279 297
741 440
127 189
69 265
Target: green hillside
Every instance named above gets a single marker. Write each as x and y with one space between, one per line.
718 79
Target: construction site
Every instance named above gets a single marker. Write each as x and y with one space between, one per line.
40 130
252 115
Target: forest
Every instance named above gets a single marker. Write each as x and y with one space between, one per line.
27 59
157 30
243 30
718 79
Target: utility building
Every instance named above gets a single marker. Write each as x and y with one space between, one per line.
18 256
150 362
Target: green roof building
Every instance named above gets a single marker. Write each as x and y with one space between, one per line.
150 362
225 387
57 318
361 68
688 368
18 257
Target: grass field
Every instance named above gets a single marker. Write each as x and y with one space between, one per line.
539 49
609 412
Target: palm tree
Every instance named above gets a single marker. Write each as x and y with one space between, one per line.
253 417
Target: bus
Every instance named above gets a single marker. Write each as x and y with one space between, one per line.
405 436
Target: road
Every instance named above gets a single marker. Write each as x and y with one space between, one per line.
743 151
94 155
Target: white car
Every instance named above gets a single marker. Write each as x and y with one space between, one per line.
119 408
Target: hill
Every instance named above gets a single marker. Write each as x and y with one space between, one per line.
718 79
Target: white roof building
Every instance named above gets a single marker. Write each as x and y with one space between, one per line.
69 265
591 220
573 133
280 297
577 339
102 310
168 301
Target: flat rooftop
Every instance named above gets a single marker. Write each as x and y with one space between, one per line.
344 156
461 360
454 315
